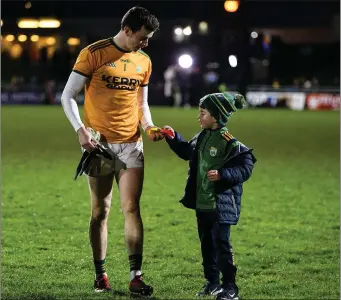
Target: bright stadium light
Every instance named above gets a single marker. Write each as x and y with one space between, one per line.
28 23
49 23
50 41
233 61
254 34
10 38
185 61
22 38
34 38
178 31
203 27
187 30
73 41
231 5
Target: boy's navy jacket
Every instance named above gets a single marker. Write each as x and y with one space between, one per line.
237 169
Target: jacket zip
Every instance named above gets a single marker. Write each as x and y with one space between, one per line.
234 206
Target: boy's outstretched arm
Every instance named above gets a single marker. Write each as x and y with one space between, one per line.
177 143
241 171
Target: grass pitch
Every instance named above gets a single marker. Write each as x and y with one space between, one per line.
286 243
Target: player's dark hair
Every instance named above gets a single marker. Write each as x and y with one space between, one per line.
137 17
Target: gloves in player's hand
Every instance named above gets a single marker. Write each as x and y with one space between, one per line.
96 160
85 162
154 133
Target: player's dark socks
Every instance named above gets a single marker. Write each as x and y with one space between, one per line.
135 262
100 266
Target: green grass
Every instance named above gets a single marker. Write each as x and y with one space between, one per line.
286 243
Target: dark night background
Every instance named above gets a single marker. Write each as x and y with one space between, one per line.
296 41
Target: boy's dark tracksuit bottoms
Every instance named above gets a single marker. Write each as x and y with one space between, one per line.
216 249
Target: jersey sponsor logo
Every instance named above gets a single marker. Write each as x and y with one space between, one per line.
213 151
121 83
125 60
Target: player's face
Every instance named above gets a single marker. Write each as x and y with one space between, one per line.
206 120
139 39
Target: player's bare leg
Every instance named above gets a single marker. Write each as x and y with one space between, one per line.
130 186
101 194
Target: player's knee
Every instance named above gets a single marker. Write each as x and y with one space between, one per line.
131 210
100 214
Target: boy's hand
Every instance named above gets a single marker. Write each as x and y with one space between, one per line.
154 133
213 175
168 132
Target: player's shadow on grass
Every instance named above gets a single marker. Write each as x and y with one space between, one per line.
30 297
121 294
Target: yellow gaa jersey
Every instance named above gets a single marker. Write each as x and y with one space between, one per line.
115 76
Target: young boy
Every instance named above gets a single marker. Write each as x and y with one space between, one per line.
218 166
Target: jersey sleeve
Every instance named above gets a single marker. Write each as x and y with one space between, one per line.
84 64
148 73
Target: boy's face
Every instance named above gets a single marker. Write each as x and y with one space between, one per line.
206 120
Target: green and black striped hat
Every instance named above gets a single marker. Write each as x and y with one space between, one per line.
222 105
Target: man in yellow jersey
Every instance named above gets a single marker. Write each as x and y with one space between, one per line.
115 73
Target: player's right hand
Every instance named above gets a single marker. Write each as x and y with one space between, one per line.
86 140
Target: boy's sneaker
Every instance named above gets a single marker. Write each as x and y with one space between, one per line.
138 287
210 289
101 284
230 292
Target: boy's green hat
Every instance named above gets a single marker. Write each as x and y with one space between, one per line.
222 105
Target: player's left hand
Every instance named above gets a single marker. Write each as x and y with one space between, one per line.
154 133
213 175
